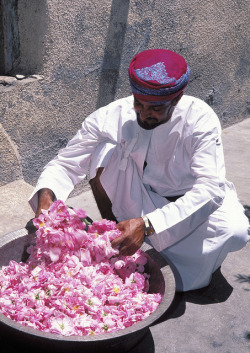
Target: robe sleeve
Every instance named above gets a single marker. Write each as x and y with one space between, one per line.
72 162
178 219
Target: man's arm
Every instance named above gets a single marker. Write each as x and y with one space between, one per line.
45 199
72 163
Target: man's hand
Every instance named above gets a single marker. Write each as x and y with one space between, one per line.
45 199
132 236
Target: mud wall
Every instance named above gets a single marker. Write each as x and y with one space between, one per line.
73 58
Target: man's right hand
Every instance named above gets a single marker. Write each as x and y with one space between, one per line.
45 199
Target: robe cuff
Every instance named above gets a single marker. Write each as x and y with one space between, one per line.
50 179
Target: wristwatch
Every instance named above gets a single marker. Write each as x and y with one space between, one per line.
149 229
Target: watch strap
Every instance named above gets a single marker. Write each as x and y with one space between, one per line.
149 229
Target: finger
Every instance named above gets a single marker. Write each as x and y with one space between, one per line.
117 241
128 250
124 245
120 226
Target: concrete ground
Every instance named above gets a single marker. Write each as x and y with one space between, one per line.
212 320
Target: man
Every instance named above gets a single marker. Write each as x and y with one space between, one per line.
156 167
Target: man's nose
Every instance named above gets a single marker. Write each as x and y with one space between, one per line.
145 113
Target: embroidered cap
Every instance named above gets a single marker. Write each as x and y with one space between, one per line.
158 75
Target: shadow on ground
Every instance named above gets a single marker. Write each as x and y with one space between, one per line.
218 291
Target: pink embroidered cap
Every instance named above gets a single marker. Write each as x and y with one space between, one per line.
158 75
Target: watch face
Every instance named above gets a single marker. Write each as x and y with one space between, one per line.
150 231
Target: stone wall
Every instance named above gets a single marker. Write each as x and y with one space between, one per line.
74 56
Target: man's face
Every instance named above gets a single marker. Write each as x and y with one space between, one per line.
150 116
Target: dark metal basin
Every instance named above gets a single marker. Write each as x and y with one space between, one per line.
161 280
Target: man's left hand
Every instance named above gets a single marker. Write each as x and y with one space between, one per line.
132 236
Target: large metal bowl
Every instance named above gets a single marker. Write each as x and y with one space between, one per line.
12 246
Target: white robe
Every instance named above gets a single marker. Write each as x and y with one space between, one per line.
184 157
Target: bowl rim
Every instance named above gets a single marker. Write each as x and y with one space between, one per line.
169 282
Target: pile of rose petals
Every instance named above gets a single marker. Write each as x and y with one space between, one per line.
74 282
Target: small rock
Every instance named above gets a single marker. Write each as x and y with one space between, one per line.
7 80
38 77
20 77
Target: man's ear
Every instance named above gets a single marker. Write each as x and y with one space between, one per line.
176 99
